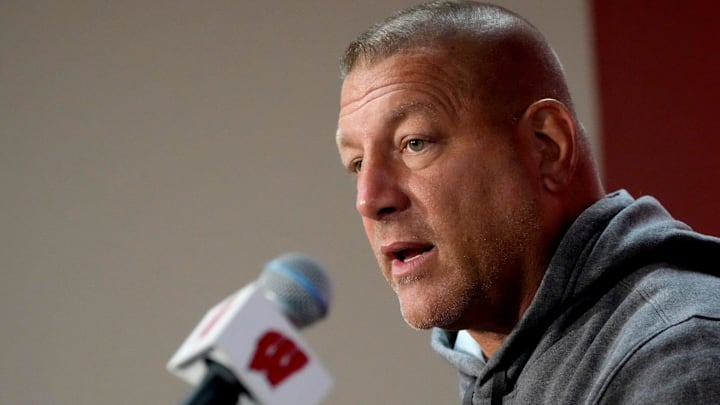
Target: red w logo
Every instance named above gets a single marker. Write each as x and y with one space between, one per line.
278 357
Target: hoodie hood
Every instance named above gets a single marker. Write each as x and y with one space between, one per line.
610 240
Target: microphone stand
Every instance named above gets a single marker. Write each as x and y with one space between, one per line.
218 387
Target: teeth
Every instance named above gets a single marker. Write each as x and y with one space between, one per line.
411 258
409 255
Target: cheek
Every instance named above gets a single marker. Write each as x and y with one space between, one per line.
369 227
442 187
471 208
458 193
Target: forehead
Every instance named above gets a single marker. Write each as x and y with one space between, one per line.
433 72
426 81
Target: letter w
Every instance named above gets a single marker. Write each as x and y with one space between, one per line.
278 357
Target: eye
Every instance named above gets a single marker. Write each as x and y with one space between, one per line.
416 145
355 166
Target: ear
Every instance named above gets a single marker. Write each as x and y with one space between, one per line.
555 141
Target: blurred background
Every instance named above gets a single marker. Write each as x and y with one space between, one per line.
155 154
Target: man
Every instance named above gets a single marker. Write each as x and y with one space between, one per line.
481 200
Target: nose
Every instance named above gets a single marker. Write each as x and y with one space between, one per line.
379 190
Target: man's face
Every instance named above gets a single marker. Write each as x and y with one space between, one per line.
446 200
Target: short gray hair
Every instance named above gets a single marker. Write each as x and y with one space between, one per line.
519 66
425 25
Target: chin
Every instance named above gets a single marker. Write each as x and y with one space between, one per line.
418 324
429 322
427 314
416 316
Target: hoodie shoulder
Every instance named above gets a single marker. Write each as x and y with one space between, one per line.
677 365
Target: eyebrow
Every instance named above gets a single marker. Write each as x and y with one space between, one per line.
395 115
340 140
411 107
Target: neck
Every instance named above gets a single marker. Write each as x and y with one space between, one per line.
510 309
490 342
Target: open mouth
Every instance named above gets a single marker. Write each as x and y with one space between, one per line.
410 254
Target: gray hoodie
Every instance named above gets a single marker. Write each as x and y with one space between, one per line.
628 312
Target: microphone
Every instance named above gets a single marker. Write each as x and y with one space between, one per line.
248 344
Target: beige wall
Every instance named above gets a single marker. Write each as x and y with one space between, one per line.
154 154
